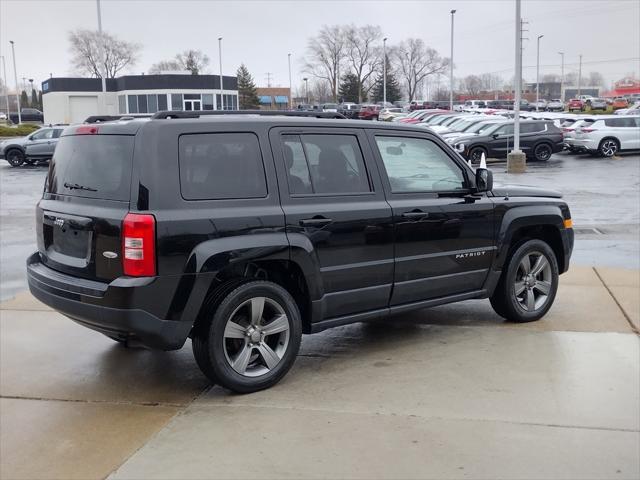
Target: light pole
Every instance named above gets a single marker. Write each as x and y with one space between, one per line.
562 77
538 73
516 159
384 71
6 87
580 77
102 70
306 89
15 75
220 56
453 12
290 87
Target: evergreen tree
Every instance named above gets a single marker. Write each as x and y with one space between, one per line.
24 100
348 90
393 87
247 91
34 99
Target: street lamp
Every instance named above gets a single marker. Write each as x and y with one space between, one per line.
384 71
562 77
290 90
453 12
15 75
220 56
538 73
306 89
6 86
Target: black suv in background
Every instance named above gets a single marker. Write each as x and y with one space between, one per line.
244 232
539 139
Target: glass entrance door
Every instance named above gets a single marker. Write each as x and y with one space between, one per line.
192 105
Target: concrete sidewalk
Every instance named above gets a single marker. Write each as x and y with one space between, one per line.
451 392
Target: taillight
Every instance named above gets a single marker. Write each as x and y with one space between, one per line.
587 130
139 245
86 130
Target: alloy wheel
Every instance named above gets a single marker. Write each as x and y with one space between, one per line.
533 281
15 158
476 155
543 153
609 148
256 336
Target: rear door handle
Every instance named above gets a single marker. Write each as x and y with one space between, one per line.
415 214
317 221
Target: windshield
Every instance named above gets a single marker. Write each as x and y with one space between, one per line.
94 166
479 126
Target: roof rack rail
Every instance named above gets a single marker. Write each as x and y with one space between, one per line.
112 118
286 113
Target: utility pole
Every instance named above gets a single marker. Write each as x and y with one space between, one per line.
384 71
221 86
15 75
290 87
306 89
453 12
580 76
6 86
516 160
562 77
102 69
268 76
538 73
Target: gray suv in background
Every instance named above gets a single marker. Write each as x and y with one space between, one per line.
33 148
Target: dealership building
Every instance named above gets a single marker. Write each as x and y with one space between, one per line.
72 100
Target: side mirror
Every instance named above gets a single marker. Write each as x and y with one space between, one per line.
495 135
484 180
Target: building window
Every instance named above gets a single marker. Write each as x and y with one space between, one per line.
133 103
122 104
176 101
207 101
230 102
162 102
142 104
152 103
192 96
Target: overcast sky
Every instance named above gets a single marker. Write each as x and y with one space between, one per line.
262 33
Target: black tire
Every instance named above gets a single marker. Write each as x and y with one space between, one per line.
15 157
475 154
510 305
542 152
608 147
211 348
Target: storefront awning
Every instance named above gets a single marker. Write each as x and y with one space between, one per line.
282 99
265 99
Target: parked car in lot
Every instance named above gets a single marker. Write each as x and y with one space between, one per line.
540 105
473 130
329 107
263 228
473 104
369 112
349 110
620 102
387 114
586 99
575 104
598 104
555 105
37 146
27 115
539 139
606 136
3 116
632 110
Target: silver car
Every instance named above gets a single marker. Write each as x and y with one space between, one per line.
37 146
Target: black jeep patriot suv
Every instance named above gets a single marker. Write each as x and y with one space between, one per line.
243 232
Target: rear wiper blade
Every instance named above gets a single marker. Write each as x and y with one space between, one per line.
75 186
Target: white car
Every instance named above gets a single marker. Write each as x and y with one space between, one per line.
388 114
606 135
3 116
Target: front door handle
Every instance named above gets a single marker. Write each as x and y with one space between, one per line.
317 221
415 214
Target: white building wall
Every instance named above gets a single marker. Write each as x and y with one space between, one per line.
56 106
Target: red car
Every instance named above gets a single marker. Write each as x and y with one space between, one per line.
575 104
423 115
369 112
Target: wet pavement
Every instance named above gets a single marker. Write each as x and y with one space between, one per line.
603 194
449 392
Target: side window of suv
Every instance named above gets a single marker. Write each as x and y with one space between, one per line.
325 164
418 165
531 127
42 134
216 166
505 130
57 132
620 122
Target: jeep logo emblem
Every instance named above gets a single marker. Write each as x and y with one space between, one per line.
108 254
59 222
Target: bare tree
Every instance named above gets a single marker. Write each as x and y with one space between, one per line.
193 60
471 84
85 51
164 66
551 78
415 62
596 79
490 81
326 53
363 54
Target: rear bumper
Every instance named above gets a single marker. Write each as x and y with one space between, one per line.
103 306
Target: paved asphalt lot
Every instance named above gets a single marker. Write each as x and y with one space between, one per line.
451 392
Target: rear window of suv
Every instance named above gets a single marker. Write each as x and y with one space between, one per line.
92 166
216 166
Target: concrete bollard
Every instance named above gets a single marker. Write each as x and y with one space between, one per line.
516 162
